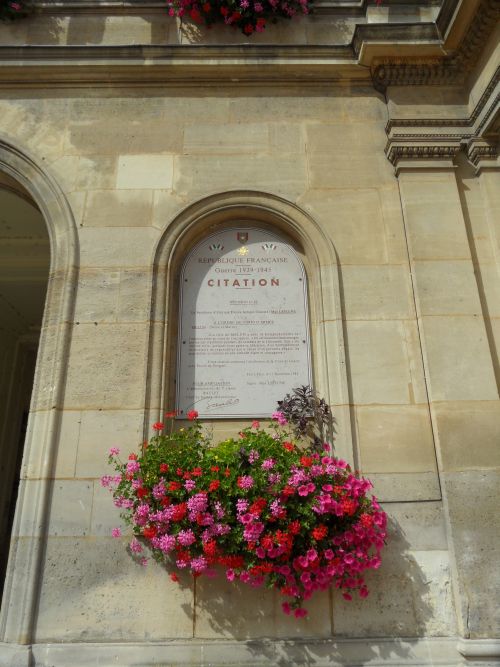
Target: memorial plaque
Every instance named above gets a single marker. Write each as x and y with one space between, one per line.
243 325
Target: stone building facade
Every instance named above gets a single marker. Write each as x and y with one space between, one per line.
365 135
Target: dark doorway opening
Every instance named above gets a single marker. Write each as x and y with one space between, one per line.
24 271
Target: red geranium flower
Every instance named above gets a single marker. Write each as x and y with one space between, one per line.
149 532
267 542
214 485
195 15
180 512
192 414
257 506
210 548
320 532
163 467
158 426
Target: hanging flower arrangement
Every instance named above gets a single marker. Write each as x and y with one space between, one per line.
249 16
265 507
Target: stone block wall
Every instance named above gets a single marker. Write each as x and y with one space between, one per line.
417 325
128 162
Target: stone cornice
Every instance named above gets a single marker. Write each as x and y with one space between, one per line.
416 152
441 138
421 57
83 66
145 64
449 69
345 8
479 120
482 153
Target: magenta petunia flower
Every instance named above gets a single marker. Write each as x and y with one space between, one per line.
280 418
135 546
245 482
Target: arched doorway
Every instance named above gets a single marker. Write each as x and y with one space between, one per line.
24 271
21 173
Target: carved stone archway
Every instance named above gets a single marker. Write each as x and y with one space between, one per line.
320 260
19 602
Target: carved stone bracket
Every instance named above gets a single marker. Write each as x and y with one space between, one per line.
441 151
482 153
432 139
434 151
451 69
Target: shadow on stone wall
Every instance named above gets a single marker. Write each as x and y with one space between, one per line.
400 605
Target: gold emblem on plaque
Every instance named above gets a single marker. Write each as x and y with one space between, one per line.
242 251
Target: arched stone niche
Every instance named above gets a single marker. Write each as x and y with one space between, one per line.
19 602
317 253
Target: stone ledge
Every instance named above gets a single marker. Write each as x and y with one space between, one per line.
15 655
259 653
481 649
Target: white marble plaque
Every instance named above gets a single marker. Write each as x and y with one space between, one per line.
243 331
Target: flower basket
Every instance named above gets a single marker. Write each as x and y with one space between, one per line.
248 16
267 509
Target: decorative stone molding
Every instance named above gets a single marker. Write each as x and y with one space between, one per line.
451 69
196 652
480 649
480 121
482 153
442 138
185 64
19 602
419 152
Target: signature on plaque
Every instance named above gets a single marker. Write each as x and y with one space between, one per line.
222 404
